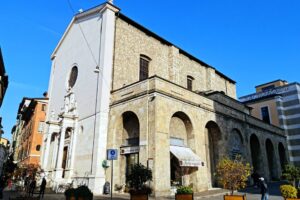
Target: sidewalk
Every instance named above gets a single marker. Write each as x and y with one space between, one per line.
53 196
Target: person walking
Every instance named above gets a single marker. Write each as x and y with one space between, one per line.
2 185
263 189
32 186
42 188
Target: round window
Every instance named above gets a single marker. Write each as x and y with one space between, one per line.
73 77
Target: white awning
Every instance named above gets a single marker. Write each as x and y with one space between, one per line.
186 157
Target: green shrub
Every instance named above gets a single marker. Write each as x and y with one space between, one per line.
138 178
184 190
288 191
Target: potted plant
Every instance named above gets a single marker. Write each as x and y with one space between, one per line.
184 193
288 192
137 180
233 175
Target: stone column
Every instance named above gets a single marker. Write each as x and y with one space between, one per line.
72 150
46 152
58 174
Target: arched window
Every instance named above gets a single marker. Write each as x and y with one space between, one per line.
190 82
73 77
38 147
144 67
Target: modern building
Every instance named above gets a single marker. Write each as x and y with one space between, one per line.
114 84
27 133
278 103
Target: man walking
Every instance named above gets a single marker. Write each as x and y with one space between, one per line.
42 188
263 189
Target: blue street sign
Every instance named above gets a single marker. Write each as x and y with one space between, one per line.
112 154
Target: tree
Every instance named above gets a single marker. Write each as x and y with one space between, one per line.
233 174
9 166
138 177
291 173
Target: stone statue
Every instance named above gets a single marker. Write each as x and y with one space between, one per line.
70 103
52 116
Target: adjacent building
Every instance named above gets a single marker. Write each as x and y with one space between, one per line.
116 85
27 133
278 103
3 88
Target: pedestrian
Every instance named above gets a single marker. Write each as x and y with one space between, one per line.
2 185
32 186
42 188
255 176
26 183
263 189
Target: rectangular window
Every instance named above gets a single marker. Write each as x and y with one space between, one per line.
144 69
265 114
44 107
41 127
190 83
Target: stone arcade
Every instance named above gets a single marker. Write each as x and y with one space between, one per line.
115 84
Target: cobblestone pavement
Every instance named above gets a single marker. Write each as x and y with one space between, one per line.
251 194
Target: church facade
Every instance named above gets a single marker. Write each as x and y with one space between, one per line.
116 85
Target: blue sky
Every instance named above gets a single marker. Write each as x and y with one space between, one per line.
251 41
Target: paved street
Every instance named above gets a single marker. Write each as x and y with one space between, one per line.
251 193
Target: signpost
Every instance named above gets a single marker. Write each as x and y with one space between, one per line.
112 154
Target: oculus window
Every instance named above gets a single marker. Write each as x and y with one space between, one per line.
73 77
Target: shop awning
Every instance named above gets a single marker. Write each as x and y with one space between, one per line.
186 157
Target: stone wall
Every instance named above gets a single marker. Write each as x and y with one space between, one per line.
167 61
156 101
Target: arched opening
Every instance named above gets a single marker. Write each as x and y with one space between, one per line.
282 155
213 138
183 161
271 159
235 143
68 133
256 156
130 141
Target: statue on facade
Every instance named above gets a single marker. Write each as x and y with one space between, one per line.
70 105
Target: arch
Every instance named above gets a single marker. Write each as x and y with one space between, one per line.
235 143
130 138
181 134
271 159
181 129
131 129
213 137
282 156
256 155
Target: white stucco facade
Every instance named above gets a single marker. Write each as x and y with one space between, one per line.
77 120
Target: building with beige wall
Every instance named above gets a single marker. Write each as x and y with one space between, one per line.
278 103
123 87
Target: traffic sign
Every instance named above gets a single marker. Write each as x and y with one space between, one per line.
112 154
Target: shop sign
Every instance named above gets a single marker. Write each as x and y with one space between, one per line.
129 150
